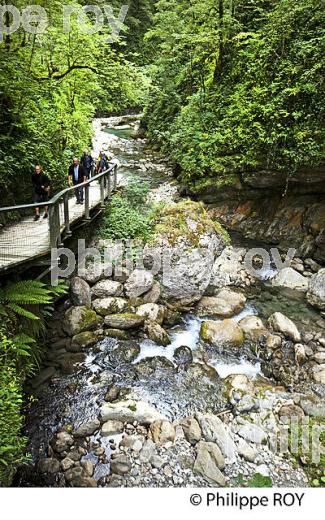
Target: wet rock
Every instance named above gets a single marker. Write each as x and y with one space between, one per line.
88 466
157 334
111 428
124 352
87 428
172 317
280 323
130 411
117 334
112 394
139 282
202 372
152 312
252 433
121 465
240 382
253 327
162 432
273 342
48 466
225 304
124 321
106 288
192 430
43 376
80 319
183 356
149 366
214 430
316 292
290 279
82 341
80 292
62 442
153 295
209 461
223 333
110 305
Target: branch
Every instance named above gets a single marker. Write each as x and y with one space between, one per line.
63 74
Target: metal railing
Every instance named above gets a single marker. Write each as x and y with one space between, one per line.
25 239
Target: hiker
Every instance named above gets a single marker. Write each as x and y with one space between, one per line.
77 175
87 162
103 162
41 185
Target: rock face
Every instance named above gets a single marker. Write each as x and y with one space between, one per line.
280 323
209 461
124 321
110 305
139 282
225 332
162 432
288 278
80 292
106 288
253 327
80 319
130 411
316 293
225 304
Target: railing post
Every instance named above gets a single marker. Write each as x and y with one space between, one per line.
109 184
54 225
66 214
102 191
87 202
115 177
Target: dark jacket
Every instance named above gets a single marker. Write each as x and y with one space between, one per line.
39 180
81 173
87 161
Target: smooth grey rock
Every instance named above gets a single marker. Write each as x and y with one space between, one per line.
111 428
106 288
252 433
138 283
130 411
280 323
87 428
209 461
80 292
225 304
214 430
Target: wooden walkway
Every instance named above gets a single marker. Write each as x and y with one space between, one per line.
27 239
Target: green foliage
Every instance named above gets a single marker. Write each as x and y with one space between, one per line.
128 216
257 481
238 85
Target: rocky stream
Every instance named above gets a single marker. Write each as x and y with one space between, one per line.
184 380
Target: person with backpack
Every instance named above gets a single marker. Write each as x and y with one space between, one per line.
87 162
41 185
103 162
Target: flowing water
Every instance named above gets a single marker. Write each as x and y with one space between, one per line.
139 367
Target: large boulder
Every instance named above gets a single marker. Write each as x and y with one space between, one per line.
280 323
139 282
316 292
225 304
209 461
223 333
290 279
80 292
228 269
87 428
106 288
186 243
82 341
252 327
80 319
124 321
110 305
130 411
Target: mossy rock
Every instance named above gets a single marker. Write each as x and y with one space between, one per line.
80 319
124 321
82 341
